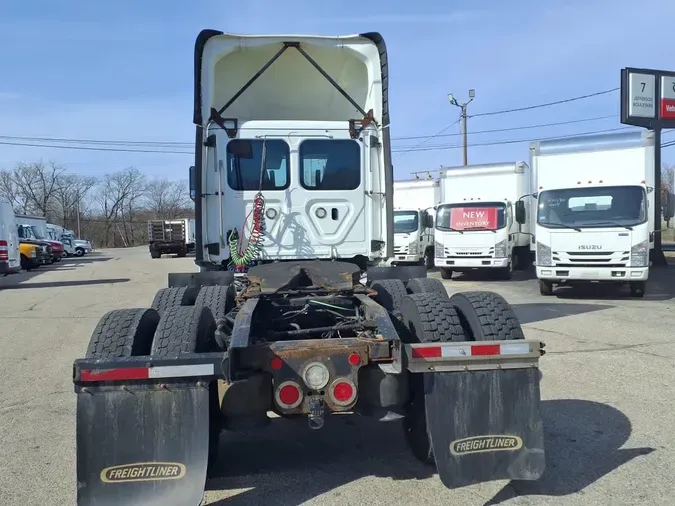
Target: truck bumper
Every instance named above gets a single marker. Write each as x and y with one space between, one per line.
459 264
586 274
406 258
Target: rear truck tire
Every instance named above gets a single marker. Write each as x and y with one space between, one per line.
190 329
429 318
638 289
123 333
427 285
390 293
183 329
545 287
155 254
429 258
220 300
486 316
167 298
182 253
446 273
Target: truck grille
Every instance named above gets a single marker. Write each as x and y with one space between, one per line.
591 258
400 250
475 253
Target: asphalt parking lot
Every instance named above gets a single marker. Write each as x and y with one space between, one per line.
608 388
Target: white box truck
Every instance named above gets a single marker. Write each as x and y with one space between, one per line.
594 204
476 226
414 203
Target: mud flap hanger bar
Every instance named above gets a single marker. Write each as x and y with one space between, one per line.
473 356
216 115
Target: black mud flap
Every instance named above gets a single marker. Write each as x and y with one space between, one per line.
142 445
485 425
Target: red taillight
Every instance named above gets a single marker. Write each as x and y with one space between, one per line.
288 395
354 359
343 392
276 363
4 254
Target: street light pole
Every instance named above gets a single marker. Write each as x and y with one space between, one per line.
463 116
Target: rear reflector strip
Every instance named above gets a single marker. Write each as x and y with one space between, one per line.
141 373
472 350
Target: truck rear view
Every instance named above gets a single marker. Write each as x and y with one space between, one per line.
168 236
291 182
594 210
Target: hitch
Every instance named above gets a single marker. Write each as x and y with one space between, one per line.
316 412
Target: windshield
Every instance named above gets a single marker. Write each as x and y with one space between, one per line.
25 232
406 222
486 216
36 232
592 207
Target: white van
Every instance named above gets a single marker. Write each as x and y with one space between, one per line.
10 258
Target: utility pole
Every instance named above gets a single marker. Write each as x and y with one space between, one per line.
79 235
463 116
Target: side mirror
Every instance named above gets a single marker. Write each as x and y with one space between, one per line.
428 220
520 212
193 192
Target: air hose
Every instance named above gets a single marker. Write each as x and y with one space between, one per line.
242 257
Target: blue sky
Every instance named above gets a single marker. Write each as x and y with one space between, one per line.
123 70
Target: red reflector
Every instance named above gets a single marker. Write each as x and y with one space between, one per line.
354 359
343 391
431 352
600 181
129 373
289 394
276 363
486 349
3 244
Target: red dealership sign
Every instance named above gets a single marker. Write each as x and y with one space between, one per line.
462 218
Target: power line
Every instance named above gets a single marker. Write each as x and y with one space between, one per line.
429 138
516 141
509 129
86 148
548 104
113 142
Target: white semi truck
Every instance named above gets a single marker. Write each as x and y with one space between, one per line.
292 186
476 226
594 209
414 203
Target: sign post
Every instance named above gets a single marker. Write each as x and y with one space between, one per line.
648 101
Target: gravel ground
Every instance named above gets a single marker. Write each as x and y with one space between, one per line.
608 388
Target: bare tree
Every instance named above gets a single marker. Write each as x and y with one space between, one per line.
70 196
668 177
120 196
36 184
167 199
10 192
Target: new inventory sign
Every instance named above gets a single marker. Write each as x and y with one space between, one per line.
648 98
464 218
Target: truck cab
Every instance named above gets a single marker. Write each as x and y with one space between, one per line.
476 225
28 236
414 236
594 209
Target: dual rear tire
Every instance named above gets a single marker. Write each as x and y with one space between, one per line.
463 317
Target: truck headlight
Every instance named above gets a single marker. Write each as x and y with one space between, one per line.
500 249
544 257
413 247
438 250
33 253
639 255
